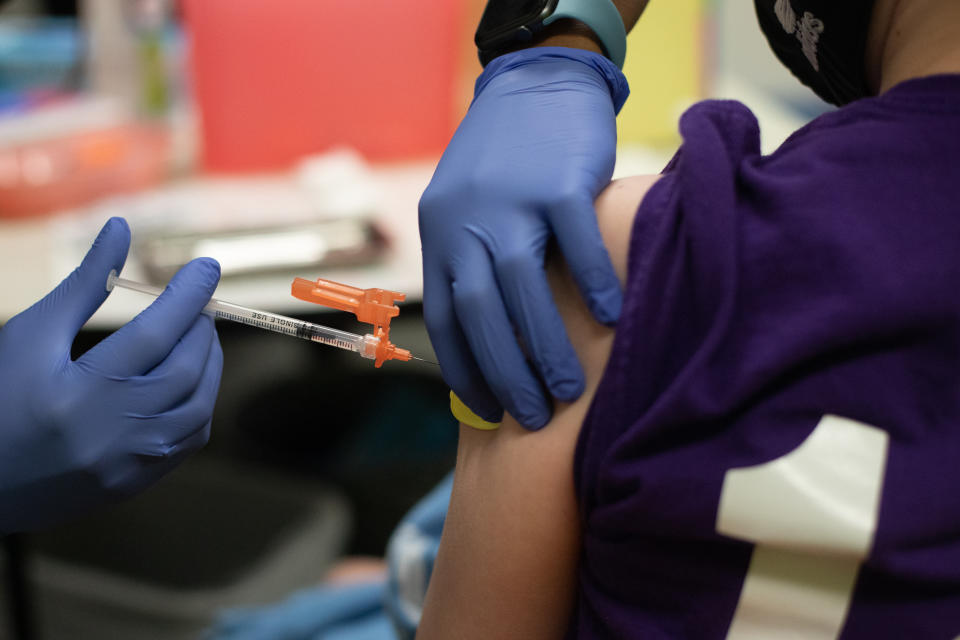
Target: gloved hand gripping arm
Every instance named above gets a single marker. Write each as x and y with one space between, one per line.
75 434
535 148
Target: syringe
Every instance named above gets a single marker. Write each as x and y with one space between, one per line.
365 345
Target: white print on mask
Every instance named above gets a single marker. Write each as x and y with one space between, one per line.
807 29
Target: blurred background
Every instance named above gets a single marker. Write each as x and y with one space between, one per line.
285 139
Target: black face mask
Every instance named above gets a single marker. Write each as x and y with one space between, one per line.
822 42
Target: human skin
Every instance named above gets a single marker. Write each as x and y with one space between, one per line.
912 39
509 547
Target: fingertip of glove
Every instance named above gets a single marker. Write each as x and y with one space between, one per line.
534 423
568 390
115 232
206 270
108 252
113 225
492 415
208 263
606 306
116 223
534 412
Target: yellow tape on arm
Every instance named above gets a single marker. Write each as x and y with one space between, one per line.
462 413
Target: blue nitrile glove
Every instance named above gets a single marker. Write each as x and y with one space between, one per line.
318 613
77 434
533 152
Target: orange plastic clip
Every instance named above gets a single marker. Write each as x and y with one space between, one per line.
375 306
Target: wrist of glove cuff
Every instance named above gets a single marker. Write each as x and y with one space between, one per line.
606 71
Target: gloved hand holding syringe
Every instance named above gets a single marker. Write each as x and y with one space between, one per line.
370 305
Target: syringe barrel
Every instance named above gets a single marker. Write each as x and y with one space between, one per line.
365 345
252 317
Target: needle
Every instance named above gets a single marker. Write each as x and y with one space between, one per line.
425 360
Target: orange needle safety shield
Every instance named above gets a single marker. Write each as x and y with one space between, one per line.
373 306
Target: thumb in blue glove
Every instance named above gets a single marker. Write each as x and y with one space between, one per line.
535 149
78 434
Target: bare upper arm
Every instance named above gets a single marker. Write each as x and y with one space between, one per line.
507 561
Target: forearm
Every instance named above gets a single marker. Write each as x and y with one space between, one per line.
506 566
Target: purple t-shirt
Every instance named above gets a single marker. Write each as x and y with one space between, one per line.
775 444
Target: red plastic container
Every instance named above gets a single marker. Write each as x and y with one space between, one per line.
73 169
277 80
